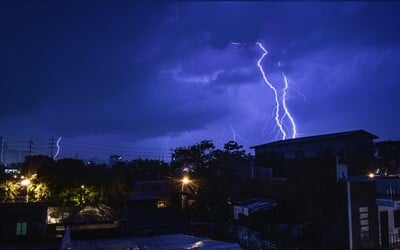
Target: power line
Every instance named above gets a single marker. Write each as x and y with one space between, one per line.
71 148
30 146
52 143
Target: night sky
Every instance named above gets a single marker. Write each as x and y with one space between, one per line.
138 80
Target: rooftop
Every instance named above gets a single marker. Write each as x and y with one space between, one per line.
318 138
255 204
167 242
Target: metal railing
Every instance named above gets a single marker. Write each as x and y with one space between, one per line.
394 241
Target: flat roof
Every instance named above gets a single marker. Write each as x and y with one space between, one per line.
317 138
256 204
169 241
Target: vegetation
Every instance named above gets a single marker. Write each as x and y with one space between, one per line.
215 174
387 155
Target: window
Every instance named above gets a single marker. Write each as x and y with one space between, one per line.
21 228
162 203
396 214
364 222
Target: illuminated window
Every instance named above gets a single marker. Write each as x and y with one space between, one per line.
162 203
364 222
21 228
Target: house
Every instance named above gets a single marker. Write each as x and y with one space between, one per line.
150 194
169 241
22 221
352 147
388 202
150 210
311 179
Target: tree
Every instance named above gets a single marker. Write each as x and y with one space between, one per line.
214 172
387 154
194 158
11 189
144 169
40 164
38 190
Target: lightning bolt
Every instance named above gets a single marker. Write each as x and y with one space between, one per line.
301 94
277 105
287 113
279 120
237 135
58 148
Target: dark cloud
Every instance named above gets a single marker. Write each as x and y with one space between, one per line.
171 71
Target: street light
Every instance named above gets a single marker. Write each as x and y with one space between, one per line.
82 191
26 183
185 181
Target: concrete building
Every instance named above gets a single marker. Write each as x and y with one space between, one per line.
169 241
388 202
311 179
22 222
353 148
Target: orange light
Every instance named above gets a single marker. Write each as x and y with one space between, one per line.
185 180
371 175
25 182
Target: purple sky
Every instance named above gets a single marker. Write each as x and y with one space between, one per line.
133 79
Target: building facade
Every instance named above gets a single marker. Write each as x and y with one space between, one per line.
311 179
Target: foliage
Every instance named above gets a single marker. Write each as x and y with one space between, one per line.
144 169
215 173
37 190
193 158
11 189
71 182
387 154
80 196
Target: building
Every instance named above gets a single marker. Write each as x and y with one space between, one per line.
169 241
22 221
388 202
150 210
352 147
311 179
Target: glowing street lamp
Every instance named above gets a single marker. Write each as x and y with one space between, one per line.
185 181
81 194
25 183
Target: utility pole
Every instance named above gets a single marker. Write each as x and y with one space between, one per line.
52 143
30 146
2 150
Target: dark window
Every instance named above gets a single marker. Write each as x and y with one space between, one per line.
396 218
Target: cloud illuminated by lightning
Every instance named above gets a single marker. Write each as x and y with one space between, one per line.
278 120
58 148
